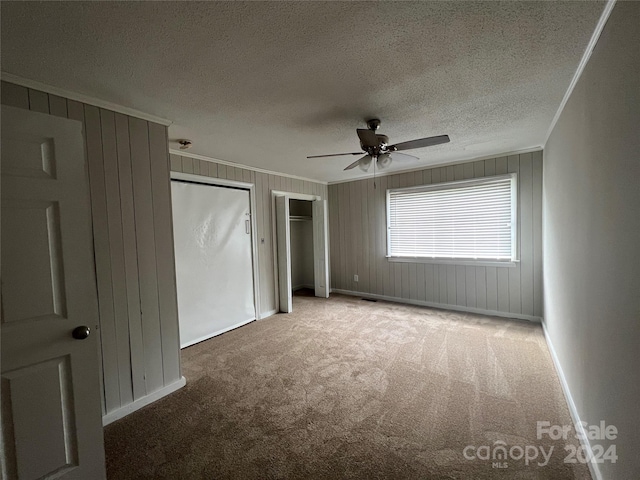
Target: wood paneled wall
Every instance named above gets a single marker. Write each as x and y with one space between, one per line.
128 165
357 214
264 184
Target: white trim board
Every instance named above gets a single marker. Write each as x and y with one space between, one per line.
443 306
142 402
439 165
184 153
573 411
80 97
458 261
583 63
268 314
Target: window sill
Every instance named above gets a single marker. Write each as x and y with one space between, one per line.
456 261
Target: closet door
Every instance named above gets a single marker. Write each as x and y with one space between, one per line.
283 234
212 234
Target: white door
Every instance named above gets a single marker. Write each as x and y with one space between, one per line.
51 410
283 237
320 249
214 269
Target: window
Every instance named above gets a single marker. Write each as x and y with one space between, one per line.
470 220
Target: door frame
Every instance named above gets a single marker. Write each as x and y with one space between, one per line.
289 196
223 182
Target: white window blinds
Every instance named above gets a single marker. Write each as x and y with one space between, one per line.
472 219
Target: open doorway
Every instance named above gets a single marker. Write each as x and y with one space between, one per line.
301 227
301 247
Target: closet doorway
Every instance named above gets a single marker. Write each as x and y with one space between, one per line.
215 255
301 246
301 227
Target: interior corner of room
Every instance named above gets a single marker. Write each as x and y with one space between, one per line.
175 247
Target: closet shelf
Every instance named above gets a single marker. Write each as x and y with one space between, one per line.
300 218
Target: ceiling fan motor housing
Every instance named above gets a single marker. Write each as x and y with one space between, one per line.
383 140
380 147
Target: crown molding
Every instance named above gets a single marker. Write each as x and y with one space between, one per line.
439 165
182 153
80 97
583 63
11 78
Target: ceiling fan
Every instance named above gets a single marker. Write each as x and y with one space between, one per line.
378 150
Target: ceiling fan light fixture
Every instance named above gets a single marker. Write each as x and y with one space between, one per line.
384 161
365 163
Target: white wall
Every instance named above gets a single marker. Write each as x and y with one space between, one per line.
591 240
133 243
358 244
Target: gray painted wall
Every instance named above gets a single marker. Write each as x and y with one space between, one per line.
264 184
133 241
358 244
591 238
302 254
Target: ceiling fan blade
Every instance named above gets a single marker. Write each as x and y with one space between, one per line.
335 155
402 157
356 163
368 138
420 143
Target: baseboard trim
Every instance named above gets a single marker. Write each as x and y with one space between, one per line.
573 411
444 306
142 402
267 314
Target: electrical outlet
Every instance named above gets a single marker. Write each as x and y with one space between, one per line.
355 278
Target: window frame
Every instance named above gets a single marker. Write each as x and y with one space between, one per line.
512 262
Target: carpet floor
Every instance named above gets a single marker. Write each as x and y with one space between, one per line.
346 388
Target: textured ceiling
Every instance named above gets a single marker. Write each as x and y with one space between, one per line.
266 84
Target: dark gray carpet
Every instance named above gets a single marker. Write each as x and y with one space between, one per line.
345 388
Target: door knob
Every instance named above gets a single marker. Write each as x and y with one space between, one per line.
81 332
